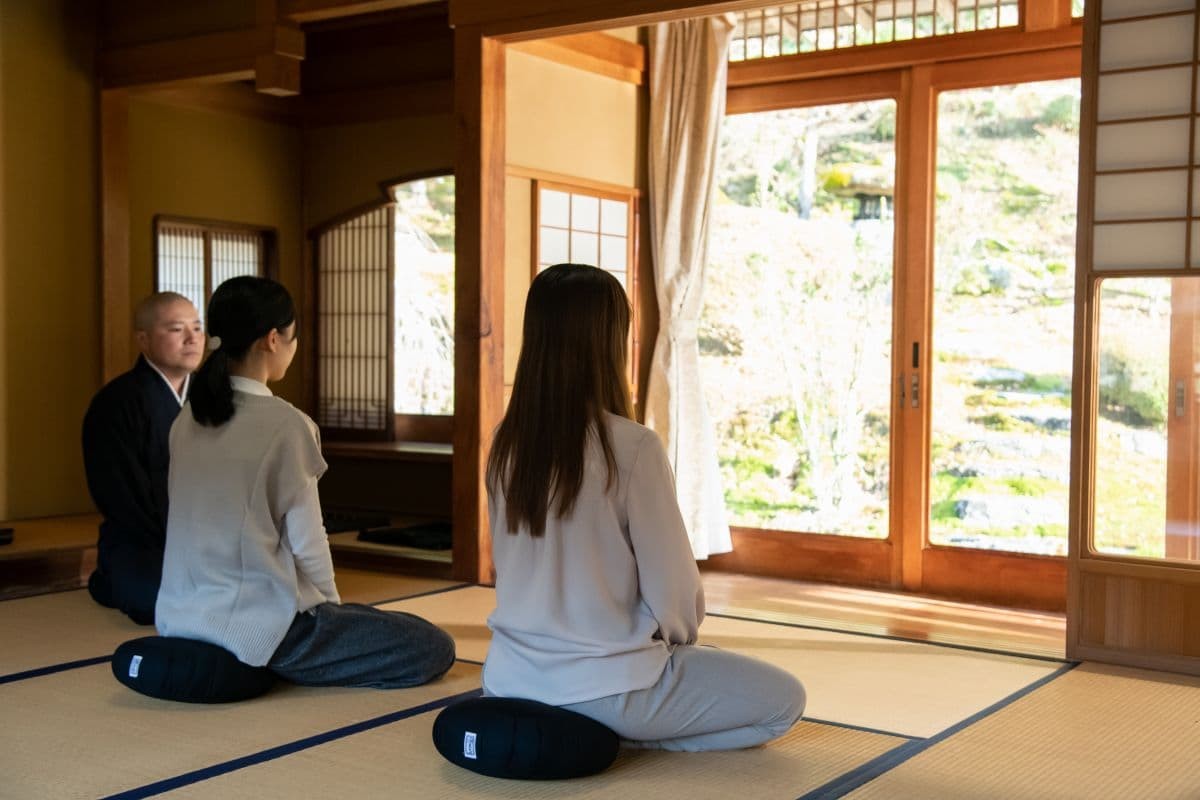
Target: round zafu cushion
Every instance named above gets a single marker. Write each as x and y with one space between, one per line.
186 670
505 737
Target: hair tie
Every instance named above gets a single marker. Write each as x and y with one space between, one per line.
214 342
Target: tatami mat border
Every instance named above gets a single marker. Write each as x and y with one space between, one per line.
40 671
442 590
88 662
840 787
862 728
272 753
851 632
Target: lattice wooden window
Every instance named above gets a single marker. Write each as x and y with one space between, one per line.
355 274
822 25
598 227
193 257
385 317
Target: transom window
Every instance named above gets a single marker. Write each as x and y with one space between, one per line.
821 25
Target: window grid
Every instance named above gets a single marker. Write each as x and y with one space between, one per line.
193 258
824 25
613 222
595 230
354 283
1143 196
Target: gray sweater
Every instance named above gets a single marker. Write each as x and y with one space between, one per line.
590 608
246 550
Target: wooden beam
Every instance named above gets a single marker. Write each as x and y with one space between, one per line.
601 53
479 289
213 57
813 92
230 98
518 20
277 75
317 10
898 55
1040 15
370 105
115 309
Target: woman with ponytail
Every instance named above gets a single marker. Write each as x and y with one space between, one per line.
247 564
598 599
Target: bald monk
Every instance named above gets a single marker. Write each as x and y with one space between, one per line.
125 453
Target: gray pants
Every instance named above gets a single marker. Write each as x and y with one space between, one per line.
357 645
706 699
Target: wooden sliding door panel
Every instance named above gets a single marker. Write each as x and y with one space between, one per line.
1134 560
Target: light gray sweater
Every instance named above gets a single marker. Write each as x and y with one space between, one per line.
589 609
246 550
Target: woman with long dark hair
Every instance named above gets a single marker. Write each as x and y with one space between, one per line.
598 599
247 564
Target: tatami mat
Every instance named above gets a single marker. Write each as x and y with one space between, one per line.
399 760
897 686
51 629
1096 732
365 586
81 734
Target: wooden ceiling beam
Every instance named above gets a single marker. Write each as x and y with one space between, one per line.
210 58
346 107
303 11
601 53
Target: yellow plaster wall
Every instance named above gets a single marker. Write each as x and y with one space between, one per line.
215 166
567 121
49 264
344 165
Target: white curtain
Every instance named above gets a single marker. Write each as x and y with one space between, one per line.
688 67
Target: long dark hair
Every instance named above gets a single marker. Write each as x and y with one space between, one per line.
241 311
571 370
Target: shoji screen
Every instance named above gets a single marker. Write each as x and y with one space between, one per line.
193 258
1135 550
354 320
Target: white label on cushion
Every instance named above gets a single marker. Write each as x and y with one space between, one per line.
469 744
135 664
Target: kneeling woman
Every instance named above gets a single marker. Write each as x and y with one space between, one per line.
598 599
247 563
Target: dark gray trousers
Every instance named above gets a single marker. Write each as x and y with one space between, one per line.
356 645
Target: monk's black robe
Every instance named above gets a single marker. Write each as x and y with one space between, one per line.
126 456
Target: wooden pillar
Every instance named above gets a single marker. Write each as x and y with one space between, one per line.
479 78
915 245
115 312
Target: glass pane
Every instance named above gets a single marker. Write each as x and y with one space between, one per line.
795 334
553 246
554 208
1003 316
1147 479
424 291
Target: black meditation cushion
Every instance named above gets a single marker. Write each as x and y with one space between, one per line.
505 737
186 670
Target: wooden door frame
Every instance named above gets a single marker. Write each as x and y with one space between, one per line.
910 561
482 30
